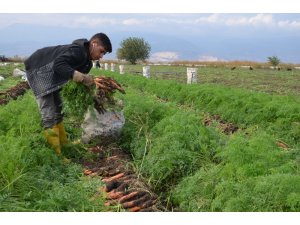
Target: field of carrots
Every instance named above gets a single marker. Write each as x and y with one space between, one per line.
230 143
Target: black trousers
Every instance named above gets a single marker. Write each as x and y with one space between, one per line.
51 109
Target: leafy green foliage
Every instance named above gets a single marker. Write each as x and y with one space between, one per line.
279 115
133 49
200 169
180 145
9 82
255 175
77 99
167 144
274 60
32 177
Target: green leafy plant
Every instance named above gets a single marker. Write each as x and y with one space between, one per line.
133 49
274 60
77 99
32 177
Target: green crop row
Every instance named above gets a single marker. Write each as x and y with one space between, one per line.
198 169
32 177
10 81
277 115
167 143
254 175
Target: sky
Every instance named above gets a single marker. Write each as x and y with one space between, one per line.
172 36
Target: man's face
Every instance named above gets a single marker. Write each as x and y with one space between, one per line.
97 51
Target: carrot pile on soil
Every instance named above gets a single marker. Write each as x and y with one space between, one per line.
122 186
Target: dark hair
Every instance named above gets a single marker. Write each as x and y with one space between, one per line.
104 40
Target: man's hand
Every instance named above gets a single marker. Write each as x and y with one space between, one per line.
84 79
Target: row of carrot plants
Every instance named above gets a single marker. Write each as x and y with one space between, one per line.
32 177
197 168
277 115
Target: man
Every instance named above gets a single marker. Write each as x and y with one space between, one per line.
49 68
97 64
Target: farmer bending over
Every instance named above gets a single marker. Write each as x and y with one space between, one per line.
50 68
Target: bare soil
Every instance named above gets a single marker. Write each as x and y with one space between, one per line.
224 126
13 92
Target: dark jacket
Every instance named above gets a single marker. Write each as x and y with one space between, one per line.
48 69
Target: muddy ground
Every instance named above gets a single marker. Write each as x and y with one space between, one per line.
13 92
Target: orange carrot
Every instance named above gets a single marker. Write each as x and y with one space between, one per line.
134 209
127 205
87 172
119 175
114 195
128 196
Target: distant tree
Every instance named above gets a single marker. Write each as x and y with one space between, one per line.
3 58
133 49
274 60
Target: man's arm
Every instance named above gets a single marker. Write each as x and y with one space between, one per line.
65 63
83 78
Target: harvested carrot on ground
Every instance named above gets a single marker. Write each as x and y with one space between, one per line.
136 202
148 203
127 205
87 172
115 195
135 209
119 175
128 197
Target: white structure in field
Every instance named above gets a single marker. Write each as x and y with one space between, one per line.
146 71
121 67
94 64
1 78
112 67
245 67
191 74
18 73
106 66
101 66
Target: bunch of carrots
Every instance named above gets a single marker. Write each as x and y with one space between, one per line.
105 87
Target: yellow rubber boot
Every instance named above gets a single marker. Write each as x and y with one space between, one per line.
62 134
52 136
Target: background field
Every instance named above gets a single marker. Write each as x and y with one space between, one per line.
259 79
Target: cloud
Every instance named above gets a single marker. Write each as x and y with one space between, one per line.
208 19
289 24
164 56
259 19
132 22
92 22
